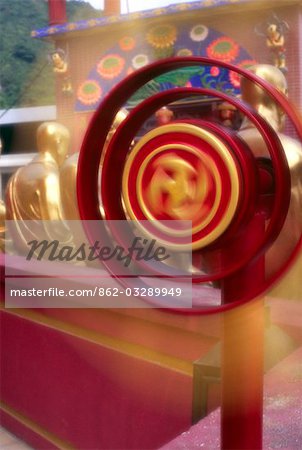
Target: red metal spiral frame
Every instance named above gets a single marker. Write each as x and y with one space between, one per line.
100 125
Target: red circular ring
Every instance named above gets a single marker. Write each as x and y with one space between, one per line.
114 160
100 125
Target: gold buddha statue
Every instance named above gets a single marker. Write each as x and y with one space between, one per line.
33 199
68 174
68 181
267 108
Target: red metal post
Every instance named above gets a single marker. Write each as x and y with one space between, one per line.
56 12
112 7
242 353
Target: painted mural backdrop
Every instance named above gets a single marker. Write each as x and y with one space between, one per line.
164 40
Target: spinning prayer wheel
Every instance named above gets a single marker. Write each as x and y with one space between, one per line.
192 170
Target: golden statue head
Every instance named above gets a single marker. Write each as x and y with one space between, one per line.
53 138
257 97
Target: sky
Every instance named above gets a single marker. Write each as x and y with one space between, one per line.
138 5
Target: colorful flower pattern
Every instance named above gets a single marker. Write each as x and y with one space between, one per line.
113 19
135 50
140 61
162 36
224 49
199 33
214 71
52 30
92 22
71 26
111 66
127 43
89 92
148 14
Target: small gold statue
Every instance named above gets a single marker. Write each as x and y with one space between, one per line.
267 108
61 68
274 30
33 193
275 42
68 182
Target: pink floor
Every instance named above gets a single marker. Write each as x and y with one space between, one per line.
10 442
282 423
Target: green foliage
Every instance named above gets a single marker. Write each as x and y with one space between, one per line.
177 77
26 77
181 76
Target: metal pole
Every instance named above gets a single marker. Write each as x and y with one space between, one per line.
242 353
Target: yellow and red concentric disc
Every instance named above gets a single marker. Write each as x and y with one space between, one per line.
182 172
